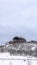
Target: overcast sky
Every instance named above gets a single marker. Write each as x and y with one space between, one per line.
18 18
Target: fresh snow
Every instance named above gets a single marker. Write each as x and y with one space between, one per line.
6 59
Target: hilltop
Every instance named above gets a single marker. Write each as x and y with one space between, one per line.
19 46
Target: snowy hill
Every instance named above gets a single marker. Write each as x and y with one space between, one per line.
23 53
20 49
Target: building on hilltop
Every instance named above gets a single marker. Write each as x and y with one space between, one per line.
19 40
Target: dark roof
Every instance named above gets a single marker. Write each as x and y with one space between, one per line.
16 38
19 39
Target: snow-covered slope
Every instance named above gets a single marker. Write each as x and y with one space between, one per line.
18 54
7 59
20 49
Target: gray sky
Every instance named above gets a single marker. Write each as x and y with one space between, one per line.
18 18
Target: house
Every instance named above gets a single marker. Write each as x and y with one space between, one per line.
19 40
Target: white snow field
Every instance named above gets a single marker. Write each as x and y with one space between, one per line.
6 59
